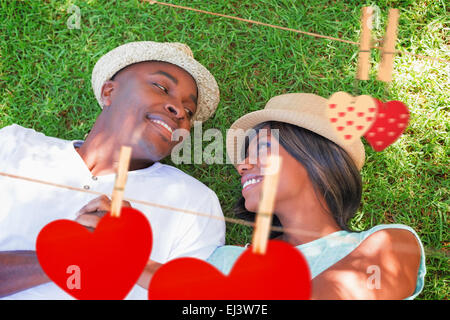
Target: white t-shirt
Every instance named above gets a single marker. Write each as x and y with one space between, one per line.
26 207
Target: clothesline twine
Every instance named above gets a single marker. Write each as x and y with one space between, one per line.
207 215
316 35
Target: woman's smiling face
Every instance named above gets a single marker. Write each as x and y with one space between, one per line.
292 175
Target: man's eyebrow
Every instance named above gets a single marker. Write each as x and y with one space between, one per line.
167 75
194 98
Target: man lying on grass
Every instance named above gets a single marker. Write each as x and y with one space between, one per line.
147 90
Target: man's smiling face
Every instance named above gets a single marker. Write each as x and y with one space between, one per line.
146 102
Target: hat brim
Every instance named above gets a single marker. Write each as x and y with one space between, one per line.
237 132
135 52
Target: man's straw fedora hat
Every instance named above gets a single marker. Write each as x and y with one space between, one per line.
173 52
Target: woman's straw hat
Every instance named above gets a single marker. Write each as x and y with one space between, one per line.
304 110
173 52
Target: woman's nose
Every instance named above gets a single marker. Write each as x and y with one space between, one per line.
243 168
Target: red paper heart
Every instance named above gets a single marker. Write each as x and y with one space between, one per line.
280 274
104 264
392 120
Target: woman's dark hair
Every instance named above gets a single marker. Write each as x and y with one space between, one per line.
330 169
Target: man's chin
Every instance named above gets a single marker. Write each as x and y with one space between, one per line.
149 154
158 157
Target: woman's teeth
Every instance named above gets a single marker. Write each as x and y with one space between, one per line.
162 123
251 181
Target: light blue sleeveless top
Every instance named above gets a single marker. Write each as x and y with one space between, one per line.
323 253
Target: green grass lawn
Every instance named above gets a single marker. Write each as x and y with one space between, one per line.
45 71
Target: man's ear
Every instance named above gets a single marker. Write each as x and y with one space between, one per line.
108 89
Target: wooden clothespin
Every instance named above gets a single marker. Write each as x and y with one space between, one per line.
388 49
266 205
365 44
121 179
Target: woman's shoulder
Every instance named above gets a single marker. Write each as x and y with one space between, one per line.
395 247
400 244
396 253
391 237
385 265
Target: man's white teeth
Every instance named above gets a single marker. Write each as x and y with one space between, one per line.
251 181
163 124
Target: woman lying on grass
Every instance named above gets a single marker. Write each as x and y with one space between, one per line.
319 192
